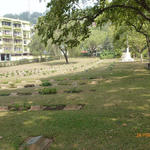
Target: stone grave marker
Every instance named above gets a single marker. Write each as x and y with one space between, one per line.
37 143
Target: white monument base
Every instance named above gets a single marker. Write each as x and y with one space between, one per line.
126 57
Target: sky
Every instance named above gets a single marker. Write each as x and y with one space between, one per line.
18 6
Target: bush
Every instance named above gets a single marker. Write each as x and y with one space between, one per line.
18 107
14 107
4 94
73 90
26 106
46 83
46 91
107 54
24 93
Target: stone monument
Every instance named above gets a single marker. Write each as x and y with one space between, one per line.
126 57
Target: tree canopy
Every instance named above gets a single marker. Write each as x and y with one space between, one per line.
68 22
68 17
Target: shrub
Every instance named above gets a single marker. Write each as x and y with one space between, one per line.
73 90
118 53
26 106
12 85
24 93
4 94
18 107
46 91
46 83
14 107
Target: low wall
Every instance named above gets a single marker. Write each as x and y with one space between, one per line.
16 58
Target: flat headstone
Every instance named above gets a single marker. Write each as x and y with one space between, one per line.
3 108
38 82
73 107
10 82
35 108
20 86
1 137
37 143
29 85
24 82
93 82
3 87
13 94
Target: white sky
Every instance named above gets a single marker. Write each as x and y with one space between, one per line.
18 6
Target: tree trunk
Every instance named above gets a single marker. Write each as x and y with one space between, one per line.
66 58
141 57
65 55
148 46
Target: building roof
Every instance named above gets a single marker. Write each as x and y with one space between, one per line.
15 20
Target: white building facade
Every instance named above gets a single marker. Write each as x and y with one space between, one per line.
15 35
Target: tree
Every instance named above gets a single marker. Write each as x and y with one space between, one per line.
99 40
131 21
70 18
36 47
137 42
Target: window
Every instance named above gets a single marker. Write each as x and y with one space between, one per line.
7 32
7 40
17 41
5 23
8 48
17 33
17 25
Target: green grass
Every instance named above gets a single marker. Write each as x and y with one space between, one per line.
116 108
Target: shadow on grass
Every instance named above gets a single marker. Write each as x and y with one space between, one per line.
116 112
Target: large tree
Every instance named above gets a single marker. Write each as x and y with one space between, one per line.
70 18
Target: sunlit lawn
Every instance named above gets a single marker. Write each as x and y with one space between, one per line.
117 98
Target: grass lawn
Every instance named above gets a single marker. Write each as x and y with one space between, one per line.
117 107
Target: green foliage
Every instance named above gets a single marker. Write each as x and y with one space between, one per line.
117 53
24 93
14 107
19 107
4 93
107 54
36 46
26 106
46 83
46 91
73 90
74 21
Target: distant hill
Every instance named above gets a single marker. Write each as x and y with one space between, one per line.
25 16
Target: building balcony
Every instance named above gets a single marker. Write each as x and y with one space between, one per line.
26 28
7 44
6 27
17 35
7 35
8 51
26 37
18 44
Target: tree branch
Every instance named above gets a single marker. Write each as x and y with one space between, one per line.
143 4
100 11
138 29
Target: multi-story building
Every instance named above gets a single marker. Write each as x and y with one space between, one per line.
14 39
